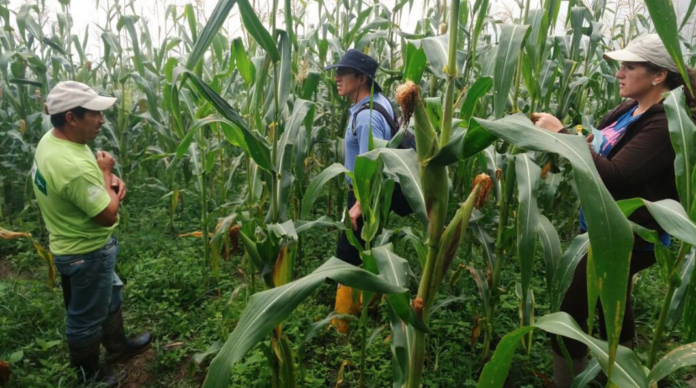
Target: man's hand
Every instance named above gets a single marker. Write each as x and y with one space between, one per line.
547 121
119 187
355 213
105 161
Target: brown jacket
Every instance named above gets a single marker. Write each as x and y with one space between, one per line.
641 164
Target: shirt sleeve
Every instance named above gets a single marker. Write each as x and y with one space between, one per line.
362 125
87 192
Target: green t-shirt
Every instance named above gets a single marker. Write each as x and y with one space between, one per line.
69 187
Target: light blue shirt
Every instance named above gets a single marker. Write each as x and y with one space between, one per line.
357 145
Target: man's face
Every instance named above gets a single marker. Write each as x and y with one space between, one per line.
347 81
88 127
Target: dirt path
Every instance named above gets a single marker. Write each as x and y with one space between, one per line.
138 369
6 269
141 374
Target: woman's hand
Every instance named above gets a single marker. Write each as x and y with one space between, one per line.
547 121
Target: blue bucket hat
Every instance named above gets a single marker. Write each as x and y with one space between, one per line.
360 62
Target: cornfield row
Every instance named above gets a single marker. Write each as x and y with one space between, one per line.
249 129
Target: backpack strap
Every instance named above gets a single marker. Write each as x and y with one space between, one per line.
391 121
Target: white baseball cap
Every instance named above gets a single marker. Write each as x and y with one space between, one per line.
645 48
71 94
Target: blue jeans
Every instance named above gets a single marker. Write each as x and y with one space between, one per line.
95 291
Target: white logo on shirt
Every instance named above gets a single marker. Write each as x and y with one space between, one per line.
93 192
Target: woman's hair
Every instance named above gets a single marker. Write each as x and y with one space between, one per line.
675 80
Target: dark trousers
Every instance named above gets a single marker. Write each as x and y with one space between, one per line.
575 304
344 250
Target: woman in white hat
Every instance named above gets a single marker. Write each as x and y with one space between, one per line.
634 158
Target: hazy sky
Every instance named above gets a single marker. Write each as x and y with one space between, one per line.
91 14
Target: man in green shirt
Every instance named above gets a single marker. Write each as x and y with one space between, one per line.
79 197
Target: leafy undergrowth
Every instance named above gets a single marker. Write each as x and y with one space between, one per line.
170 291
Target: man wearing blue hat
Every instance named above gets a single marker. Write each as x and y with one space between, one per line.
355 79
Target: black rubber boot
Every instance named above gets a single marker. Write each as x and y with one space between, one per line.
117 345
85 360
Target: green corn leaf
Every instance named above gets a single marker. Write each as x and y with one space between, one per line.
682 133
287 12
359 23
244 65
528 176
496 370
257 30
536 20
687 16
368 38
665 21
487 243
303 147
129 22
364 181
310 85
689 311
267 309
530 78
395 269
55 44
195 157
681 294
186 141
478 27
449 154
321 222
669 215
415 63
511 39
316 187
292 128
548 236
665 258
680 357
190 15
546 78
610 233
478 89
403 165
417 242
484 292
258 148
477 139
577 17
284 71
436 51
628 372
562 277
588 375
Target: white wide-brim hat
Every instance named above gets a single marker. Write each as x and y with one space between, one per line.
71 94
645 48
